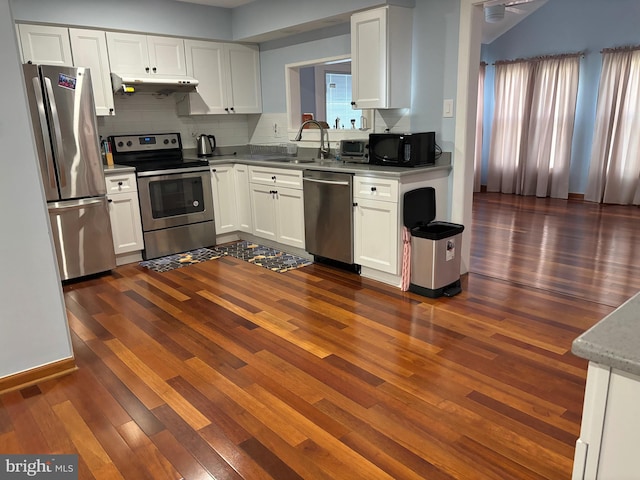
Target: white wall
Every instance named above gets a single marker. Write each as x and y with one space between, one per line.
33 323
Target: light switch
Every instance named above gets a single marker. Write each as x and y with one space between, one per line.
447 108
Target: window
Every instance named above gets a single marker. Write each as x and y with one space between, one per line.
338 101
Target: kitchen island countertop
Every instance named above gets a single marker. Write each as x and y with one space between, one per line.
615 340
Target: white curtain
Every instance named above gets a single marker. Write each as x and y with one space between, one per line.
477 162
553 112
535 103
510 126
614 173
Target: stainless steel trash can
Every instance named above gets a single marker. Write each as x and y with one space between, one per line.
435 246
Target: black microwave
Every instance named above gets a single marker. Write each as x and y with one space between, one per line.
402 149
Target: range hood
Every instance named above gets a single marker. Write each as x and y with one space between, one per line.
130 84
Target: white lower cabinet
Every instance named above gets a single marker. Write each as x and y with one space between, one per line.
376 224
277 210
124 211
243 198
263 206
610 431
224 198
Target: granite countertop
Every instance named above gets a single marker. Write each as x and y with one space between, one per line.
615 340
117 168
442 164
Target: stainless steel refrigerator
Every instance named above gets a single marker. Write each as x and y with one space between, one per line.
66 135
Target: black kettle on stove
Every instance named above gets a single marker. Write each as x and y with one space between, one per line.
206 145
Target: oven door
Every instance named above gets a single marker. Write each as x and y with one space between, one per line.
173 199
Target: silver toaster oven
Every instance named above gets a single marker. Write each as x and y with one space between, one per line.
354 151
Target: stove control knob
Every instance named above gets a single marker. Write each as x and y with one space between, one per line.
129 143
166 141
120 144
173 140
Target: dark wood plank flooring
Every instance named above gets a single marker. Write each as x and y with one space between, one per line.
226 370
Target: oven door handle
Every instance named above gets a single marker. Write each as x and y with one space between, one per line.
172 171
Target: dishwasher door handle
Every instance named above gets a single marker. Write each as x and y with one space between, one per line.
328 182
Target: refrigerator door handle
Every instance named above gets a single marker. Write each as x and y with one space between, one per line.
51 174
74 204
57 133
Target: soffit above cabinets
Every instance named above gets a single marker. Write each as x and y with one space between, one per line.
219 3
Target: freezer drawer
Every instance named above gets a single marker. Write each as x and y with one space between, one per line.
81 232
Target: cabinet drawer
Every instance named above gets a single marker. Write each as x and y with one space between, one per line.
375 188
121 182
279 177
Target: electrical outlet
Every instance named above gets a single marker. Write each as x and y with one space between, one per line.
276 131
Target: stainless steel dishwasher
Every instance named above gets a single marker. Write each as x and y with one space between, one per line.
328 215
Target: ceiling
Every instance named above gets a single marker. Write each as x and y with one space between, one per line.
516 11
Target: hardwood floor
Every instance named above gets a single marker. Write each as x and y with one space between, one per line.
227 370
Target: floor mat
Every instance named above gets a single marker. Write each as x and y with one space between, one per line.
171 262
267 257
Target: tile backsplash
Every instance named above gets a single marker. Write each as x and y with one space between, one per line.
146 113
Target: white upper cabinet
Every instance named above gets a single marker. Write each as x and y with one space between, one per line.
45 44
72 47
381 58
228 76
244 93
90 50
205 62
145 55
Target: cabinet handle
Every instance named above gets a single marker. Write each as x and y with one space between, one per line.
355 204
111 110
273 178
119 184
353 104
109 200
373 189
213 170
232 109
154 69
226 109
146 69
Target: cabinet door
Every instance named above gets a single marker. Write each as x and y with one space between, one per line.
128 53
205 62
369 58
243 78
166 56
243 198
126 226
263 207
376 235
224 198
44 44
290 216
90 50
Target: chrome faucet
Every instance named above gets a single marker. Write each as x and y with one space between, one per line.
323 132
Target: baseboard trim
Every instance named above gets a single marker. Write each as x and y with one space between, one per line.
36 375
576 196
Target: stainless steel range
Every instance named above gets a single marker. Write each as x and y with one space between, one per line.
176 201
